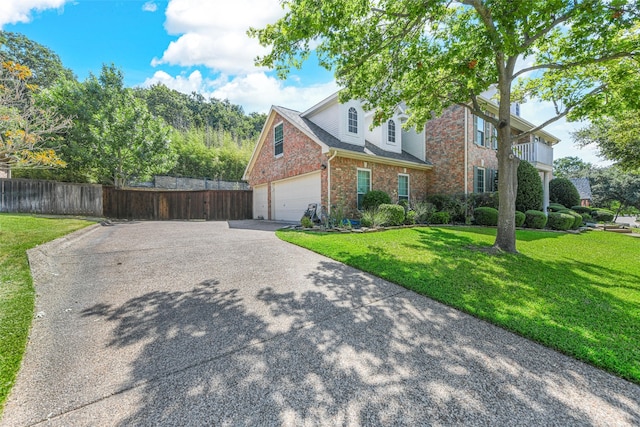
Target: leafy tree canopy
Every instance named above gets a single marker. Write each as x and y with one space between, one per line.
430 55
562 191
571 167
45 65
613 186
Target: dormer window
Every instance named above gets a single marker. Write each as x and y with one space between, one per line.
353 120
391 132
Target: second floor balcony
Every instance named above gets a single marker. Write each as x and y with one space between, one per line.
537 153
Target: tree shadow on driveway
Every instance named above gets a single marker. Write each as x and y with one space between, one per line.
351 352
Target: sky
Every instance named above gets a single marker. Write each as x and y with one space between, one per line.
195 46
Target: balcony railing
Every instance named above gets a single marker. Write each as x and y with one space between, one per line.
534 152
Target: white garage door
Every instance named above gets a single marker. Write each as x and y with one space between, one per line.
261 201
292 196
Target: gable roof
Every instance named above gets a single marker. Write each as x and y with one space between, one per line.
328 142
583 186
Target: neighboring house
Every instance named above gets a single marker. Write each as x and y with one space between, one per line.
330 155
584 189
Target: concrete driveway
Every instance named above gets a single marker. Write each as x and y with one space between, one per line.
202 323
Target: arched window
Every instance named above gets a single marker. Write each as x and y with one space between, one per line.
391 131
353 120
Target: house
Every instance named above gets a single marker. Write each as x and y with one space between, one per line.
584 189
331 155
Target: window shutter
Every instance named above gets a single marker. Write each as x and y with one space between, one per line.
475 130
475 179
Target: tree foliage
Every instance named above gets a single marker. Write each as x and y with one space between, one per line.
27 130
571 167
530 191
433 54
614 187
562 191
45 65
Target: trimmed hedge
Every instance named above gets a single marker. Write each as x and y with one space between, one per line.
440 218
560 221
602 215
520 217
581 209
577 218
375 198
535 219
410 217
395 213
530 191
485 216
556 207
562 191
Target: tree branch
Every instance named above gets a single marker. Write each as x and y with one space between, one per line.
558 66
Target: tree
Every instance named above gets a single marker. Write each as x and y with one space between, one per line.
530 192
613 185
45 65
562 191
114 137
25 127
571 167
433 54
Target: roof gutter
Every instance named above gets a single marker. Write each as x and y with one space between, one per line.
383 160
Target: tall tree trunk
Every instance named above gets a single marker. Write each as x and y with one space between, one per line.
507 178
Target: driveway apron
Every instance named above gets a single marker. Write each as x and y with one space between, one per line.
215 323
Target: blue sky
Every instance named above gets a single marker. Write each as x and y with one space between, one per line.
191 45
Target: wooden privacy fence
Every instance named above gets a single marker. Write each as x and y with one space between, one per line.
50 197
212 205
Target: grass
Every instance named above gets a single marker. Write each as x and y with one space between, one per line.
18 233
577 293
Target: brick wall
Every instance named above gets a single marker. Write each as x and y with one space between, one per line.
383 177
444 138
300 155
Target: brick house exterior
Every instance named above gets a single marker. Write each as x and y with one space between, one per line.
330 154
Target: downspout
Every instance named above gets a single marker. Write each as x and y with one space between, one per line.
466 152
335 153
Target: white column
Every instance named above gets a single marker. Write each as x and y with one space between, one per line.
545 190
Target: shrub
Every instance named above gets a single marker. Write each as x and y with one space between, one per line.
375 198
520 217
410 217
455 206
586 218
562 191
535 219
581 209
374 218
395 213
560 221
306 222
577 218
556 207
440 218
485 216
602 215
423 211
530 191
479 200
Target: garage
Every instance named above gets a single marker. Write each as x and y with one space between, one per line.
261 201
290 197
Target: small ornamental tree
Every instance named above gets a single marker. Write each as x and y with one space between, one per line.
562 191
530 191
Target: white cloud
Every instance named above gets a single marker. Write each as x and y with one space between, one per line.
213 34
256 92
150 6
19 11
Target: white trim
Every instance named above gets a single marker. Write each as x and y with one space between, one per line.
277 156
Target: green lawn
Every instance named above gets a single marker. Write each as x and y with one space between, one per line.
17 234
577 293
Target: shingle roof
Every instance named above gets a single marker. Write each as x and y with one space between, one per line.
583 186
331 141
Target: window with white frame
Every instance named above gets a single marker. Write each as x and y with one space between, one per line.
278 139
391 131
479 181
352 120
403 187
364 184
479 130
